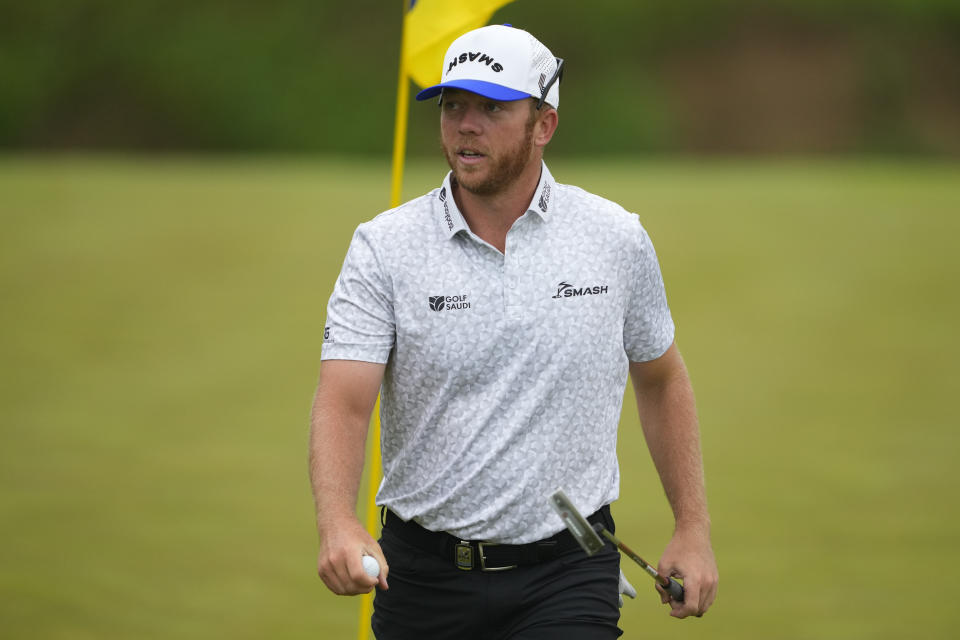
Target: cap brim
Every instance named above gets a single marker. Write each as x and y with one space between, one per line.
485 89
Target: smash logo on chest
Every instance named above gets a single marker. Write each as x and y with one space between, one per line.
567 290
449 303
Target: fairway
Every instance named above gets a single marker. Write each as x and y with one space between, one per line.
160 335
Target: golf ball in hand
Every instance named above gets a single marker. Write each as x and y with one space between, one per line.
371 566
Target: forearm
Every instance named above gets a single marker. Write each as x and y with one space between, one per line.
669 420
337 447
339 422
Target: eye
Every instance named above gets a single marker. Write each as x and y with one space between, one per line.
450 105
494 107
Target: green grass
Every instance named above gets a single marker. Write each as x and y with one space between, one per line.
160 334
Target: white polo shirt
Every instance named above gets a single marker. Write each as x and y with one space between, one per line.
505 372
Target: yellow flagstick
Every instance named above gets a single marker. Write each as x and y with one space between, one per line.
396 187
400 125
366 600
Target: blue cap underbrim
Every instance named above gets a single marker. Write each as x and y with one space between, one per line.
485 89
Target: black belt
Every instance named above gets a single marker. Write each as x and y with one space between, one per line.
488 556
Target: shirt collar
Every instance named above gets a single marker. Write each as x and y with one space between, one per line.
543 201
451 220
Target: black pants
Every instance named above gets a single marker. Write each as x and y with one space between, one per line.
571 597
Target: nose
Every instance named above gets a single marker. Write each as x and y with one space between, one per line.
470 121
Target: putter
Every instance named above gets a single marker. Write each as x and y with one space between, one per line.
589 538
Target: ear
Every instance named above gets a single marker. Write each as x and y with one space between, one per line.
545 126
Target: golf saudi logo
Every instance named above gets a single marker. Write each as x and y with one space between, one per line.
449 303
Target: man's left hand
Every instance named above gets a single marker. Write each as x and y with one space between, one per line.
689 557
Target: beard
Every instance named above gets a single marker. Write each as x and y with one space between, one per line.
502 170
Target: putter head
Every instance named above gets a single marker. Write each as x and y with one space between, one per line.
576 524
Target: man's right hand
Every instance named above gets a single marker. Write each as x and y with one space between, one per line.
339 562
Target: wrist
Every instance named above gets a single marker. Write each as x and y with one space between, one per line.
692 526
331 518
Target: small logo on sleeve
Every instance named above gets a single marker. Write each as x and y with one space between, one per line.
326 335
567 290
449 303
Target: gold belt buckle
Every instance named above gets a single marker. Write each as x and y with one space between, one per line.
483 558
464 556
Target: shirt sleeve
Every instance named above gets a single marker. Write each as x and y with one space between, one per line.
360 318
648 329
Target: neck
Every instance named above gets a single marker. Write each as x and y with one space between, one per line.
491 216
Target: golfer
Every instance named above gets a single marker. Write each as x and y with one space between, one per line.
499 317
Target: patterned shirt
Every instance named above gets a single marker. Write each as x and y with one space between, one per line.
505 371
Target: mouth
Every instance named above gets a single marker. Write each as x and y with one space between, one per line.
469 155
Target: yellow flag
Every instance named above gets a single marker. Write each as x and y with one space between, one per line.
431 25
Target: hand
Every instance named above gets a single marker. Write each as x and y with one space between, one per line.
343 543
626 589
689 557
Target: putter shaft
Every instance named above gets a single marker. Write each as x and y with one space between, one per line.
640 561
671 586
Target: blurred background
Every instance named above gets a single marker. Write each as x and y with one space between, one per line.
179 182
717 76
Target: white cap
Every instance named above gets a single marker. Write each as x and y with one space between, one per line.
501 63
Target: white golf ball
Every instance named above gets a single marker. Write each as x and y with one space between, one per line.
371 566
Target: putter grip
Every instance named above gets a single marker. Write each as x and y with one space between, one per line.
675 590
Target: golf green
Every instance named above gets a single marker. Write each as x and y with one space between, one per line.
160 333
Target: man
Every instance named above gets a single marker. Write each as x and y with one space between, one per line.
499 316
